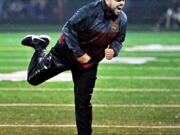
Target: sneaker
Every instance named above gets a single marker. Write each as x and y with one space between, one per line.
36 42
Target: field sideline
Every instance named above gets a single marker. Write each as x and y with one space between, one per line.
129 99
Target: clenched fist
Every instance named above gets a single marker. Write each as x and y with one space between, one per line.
84 59
109 53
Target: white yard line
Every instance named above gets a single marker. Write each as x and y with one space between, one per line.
66 76
139 68
26 89
140 78
105 68
94 126
157 54
94 105
167 60
153 48
122 60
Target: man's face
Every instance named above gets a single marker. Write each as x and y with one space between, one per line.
115 5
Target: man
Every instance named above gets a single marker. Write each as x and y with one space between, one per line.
173 14
171 17
95 31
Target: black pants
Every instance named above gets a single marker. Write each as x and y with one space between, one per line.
43 67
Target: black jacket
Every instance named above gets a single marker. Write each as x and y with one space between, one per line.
92 28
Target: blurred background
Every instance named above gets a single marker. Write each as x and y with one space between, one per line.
136 93
148 14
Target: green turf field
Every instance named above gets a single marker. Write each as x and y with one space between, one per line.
129 99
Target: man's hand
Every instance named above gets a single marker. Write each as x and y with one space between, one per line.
109 53
84 59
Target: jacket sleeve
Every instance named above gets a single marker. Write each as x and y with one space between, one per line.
116 45
78 22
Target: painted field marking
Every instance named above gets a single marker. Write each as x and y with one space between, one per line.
28 54
118 60
139 68
153 48
94 126
66 76
104 68
26 89
94 105
140 77
139 48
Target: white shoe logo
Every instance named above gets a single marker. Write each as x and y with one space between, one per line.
35 37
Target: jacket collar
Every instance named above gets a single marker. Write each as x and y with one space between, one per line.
108 13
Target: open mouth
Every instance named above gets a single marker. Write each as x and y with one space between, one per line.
118 8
